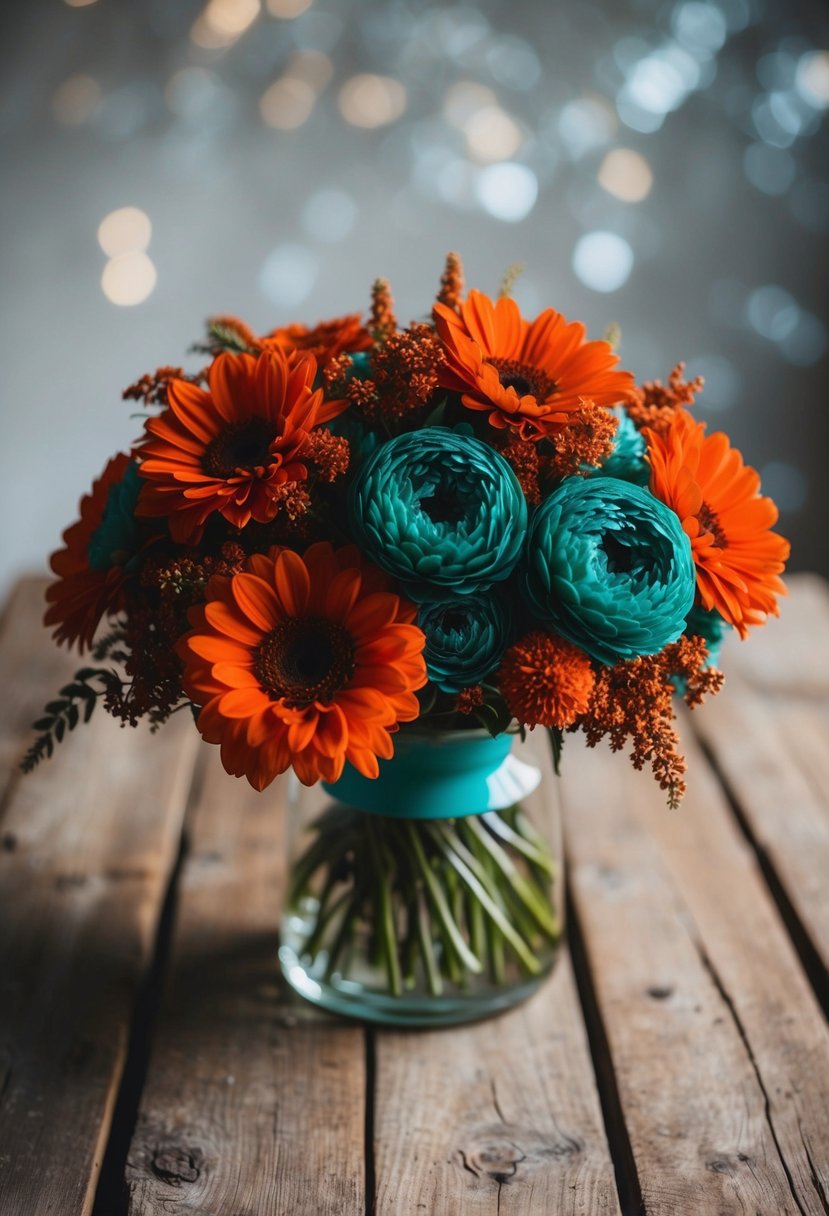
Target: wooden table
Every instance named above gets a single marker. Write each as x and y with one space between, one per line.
677 1062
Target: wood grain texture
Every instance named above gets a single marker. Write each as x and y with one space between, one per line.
254 1103
693 1105
497 1117
89 841
754 963
501 1116
768 733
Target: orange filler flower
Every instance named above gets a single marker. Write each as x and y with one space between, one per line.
546 681
530 375
234 448
716 496
303 661
87 588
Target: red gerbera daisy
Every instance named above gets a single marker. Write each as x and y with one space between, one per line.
233 449
530 375
305 662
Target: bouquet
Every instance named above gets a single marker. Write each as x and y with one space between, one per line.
331 540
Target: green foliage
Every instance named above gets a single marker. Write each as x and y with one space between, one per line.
223 337
556 745
493 715
75 702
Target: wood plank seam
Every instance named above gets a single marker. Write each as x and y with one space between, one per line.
807 953
621 1152
368 1147
717 980
111 1194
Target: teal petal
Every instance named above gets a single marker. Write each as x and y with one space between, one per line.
609 568
441 511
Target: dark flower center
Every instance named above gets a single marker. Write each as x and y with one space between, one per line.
442 506
240 448
453 621
524 378
620 557
709 521
305 660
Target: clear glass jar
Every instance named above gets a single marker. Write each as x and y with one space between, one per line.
433 894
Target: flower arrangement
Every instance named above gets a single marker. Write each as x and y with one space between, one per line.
329 538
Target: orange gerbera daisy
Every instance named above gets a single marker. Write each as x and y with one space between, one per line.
546 681
87 589
738 558
325 341
305 662
234 448
527 374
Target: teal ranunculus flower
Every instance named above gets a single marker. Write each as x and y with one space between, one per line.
709 625
465 640
116 540
610 568
627 460
441 511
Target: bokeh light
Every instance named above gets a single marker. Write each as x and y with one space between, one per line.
288 275
76 101
287 10
626 175
224 21
372 101
129 279
127 230
602 261
507 191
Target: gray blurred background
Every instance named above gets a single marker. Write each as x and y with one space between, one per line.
659 164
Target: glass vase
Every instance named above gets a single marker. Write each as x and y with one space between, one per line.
433 894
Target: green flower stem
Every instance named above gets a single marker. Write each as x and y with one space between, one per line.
495 938
347 932
427 949
385 925
522 887
438 898
538 854
472 873
426 903
325 915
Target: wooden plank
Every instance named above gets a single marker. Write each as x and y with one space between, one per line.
497 1117
89 842
771 752
789 656
33 670
693 1106
753 960
501 1116
254 1103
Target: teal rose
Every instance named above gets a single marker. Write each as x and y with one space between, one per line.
441 511
609 568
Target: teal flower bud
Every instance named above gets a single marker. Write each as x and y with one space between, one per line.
627 460
116 540
465 640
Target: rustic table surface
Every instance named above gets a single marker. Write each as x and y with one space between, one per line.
677 1061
